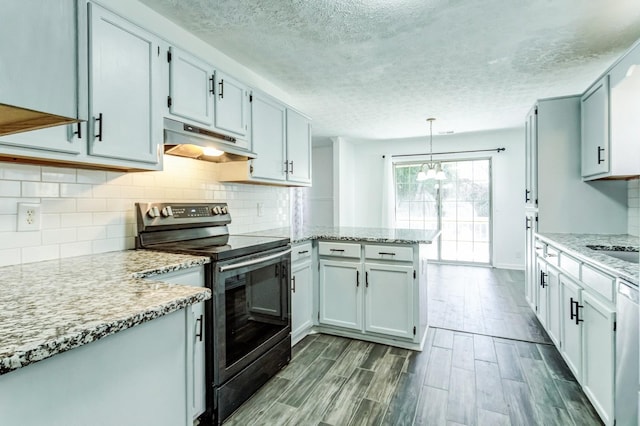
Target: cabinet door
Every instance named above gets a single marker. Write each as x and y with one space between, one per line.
595 129
531 160
531 283
39 66
232 101
298 147
598 355
301 299
268 138
124 74
389 299
63 139
190 87
553 304
543 291
571 348
340 295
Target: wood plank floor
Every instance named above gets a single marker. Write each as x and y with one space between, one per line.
463 377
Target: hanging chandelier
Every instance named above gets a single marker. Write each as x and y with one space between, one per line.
434 169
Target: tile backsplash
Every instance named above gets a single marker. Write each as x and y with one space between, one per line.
634 207
92 211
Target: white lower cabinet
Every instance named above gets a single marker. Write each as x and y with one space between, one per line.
340 294
543 297
301 291
599 355
388 299
571 347
553 304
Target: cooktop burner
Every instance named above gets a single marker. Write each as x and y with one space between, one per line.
236 245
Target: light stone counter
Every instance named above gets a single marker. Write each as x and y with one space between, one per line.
50 307
576 244
342 233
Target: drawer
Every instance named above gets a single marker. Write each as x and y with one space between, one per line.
301 252
399 253
553 255
569 265
602 283
539 248
326 248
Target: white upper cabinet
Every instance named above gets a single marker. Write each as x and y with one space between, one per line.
298 147
595 129
610 126
38 64
44 142
124 74
268 138
190 87
232 104
531 164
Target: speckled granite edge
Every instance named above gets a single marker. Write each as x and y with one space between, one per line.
576 246
78 338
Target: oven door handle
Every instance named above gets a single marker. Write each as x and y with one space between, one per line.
252 261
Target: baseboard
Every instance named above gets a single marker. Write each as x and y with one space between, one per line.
513 266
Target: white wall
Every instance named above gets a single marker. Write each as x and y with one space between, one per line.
634 207
92 211
320 196
360 182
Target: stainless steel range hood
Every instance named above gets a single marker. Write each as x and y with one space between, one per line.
14 119
190 141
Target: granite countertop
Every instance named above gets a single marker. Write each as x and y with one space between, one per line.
50 307
342 233
576 244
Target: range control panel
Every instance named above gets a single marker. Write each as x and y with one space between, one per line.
165 215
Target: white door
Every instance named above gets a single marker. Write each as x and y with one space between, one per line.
598 355
232 103
298 147
553 304
301 298
124 72
571 298
340 295
389 299
190 87
268 138
543 290
595 129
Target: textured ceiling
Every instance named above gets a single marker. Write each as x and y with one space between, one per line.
378 68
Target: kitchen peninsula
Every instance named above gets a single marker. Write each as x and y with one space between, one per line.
96 331
368 284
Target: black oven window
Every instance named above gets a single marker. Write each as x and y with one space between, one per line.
254 310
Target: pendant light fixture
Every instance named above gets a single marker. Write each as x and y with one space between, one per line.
434 170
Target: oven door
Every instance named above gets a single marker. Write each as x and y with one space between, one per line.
251 309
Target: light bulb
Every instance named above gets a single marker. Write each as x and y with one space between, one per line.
212 152
421 176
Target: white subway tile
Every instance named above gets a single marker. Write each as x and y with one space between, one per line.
58 205
76 220
8 222
9 188
119 205
10 257
58 174
88 233
634 202
75 249
76 190
91 205
40 189
20 239
111 244
57 236
50 221
91 176
108 218
142 179
40 253
119 178
19 172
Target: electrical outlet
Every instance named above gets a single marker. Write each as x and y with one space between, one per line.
29 217
260 209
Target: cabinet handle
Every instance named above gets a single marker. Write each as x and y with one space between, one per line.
382 253
571 303
79 131
600 150
303 252
526 223
543 284
526 196
99 120
200 324
293 282
551 255
212 90
291 162
357 278
221 91
366 279
578 319
336 250
286 167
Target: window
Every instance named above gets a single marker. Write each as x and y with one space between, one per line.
459 205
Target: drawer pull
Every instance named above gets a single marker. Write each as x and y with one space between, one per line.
293 284
303 252
382 253
366 279
551 255
341 250
200 324
357 278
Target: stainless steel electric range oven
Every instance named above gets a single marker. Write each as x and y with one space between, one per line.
247 326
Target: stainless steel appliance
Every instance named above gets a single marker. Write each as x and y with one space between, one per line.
627 360
247 326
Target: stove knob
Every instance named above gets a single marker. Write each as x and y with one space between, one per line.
153 212
225 210
166 212
217 210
